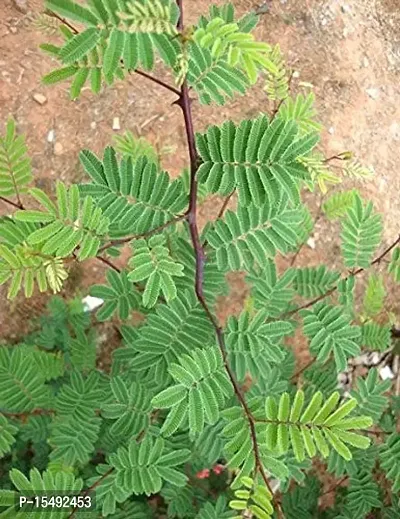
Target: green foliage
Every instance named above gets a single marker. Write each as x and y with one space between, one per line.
7 435
151 261
134 147
394 266
312 428
374 296
201 389
15 166
174 407
338 204
302 111
330 332
135 196
255 499
141 468
119 296
256 157
253 234
311 282
361 234
369 394
69 224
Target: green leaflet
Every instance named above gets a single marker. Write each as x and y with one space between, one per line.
374 296
330 332
252 234
338 204
50 483
369 394
361 234
394 266
256 157
7 435
135 196
15 165
70 224
313 427
256 499
22 384
130 408
164 337
151 261
311 282
201 390
119 296
302 111
142 467
225 41
253 342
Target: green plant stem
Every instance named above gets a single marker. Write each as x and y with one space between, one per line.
353 274
184 102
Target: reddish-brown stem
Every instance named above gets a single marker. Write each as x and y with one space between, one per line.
185 104
377 260
147 234
335 486
224 206
92 487
301 370
10 202
26 414
108 263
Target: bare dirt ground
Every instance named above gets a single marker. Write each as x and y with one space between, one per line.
348 51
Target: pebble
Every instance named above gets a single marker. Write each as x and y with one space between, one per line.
311 243
21 6
51 136
324 21
93 125
345 8
58 148
395 131
116 124
40 99
296 74
373 93
365 61
90 303
331 130
13 30
386 373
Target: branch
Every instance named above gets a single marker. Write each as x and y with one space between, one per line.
108 263
92 487
10 202
27 414
146 234
353 274
136 71
185 104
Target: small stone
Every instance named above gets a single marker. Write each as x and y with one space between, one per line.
58 148
40 99
296 74
365 61
51 136
386 373
90 303
395 131
324 21
345 8
93 125
13 30
373 93
311 243
116 124
21 6
331 130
